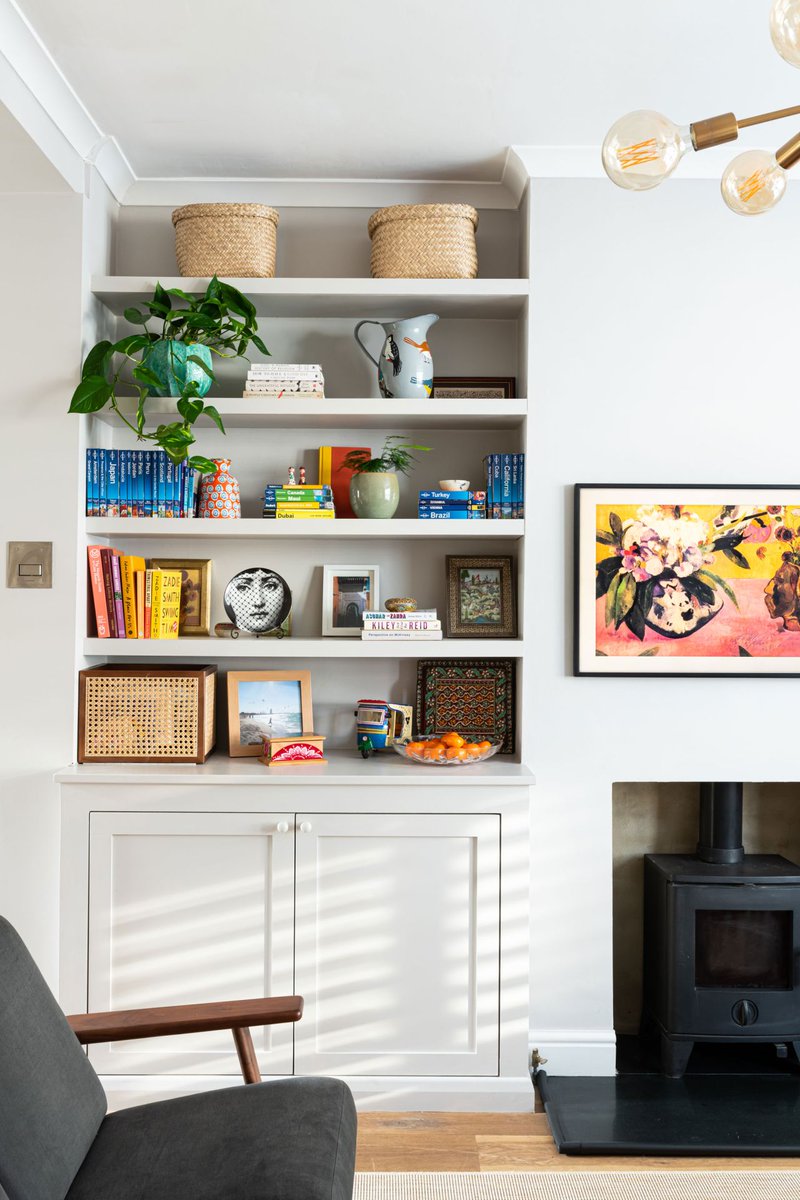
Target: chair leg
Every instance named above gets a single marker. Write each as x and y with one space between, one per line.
247 1055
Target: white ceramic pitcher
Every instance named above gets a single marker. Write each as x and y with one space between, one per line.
405 368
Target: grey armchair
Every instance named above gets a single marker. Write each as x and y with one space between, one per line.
289 1140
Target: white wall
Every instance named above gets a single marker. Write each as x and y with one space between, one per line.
664 331
40 318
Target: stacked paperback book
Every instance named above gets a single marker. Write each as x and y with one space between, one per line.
296 381
138 483
505 486
298 501
421 626
129 601
438 506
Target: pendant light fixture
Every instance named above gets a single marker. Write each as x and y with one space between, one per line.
643 148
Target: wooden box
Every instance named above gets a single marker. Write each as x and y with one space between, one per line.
146 714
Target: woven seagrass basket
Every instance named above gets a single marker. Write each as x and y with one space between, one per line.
424 241
235 240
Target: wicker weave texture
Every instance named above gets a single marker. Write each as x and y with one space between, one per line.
144 717
235 240
424 241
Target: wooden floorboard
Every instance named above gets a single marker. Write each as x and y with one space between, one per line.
436 1141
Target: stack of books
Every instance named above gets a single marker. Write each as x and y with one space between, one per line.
302 500
505 486
138 483
421 626
438 506
298 381
129 601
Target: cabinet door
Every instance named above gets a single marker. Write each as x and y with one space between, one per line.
186 908
397 944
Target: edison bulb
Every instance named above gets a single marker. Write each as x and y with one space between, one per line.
753 183
642 149
784 27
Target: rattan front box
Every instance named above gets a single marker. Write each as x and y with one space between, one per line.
146 714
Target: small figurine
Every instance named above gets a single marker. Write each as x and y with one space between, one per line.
302 476
290 482
380 724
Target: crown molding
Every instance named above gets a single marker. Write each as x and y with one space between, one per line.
38 95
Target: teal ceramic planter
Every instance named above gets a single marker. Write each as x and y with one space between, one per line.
167 360
374 494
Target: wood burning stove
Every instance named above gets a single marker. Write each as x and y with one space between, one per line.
721 939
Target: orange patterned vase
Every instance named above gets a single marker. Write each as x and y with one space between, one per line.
219 493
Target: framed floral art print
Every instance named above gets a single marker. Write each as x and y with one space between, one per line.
687 580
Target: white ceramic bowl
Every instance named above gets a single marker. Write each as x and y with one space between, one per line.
454 485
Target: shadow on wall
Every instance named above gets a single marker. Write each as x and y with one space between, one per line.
662 818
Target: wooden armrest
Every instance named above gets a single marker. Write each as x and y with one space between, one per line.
184 1018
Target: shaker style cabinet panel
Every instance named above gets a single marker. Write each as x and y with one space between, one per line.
397 944
186 908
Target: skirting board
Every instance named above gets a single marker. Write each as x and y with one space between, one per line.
381 1094
575 1051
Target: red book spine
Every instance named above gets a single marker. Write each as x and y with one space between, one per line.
108 588
116 580
98 591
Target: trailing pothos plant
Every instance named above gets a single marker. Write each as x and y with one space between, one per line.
391 458
222 320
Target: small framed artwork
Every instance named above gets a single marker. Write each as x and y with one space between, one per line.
195 615
347 593
474 696
687 580
480 596
266 704
475 387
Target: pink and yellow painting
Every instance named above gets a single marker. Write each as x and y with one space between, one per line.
688 580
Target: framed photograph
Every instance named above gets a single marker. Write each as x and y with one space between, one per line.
347 593
474 696
687 580
195 616
481 596
475 387
266 704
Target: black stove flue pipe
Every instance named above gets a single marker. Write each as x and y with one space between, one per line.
721 823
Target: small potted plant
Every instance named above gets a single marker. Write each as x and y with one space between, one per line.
175 361
374 489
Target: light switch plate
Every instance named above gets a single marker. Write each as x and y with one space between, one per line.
29 565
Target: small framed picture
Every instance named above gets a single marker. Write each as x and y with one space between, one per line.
481 596
266 704
347 593
195 615
475 387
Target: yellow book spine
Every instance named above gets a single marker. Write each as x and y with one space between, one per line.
325 464
138 584
156 608
128 595
305 514
170 603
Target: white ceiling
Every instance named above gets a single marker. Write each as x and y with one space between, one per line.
419 89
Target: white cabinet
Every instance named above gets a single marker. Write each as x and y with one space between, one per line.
188 908
398 944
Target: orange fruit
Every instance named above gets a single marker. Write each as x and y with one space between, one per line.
415 747
435 751
456 752
484 746
473 750
453 739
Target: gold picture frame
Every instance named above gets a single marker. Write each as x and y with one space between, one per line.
195 617
481 596
272 703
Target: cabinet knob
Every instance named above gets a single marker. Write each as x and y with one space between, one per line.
282 827
305 827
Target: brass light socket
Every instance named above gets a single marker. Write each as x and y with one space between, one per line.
789 153
714 131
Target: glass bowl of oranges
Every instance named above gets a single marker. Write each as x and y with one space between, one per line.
449 749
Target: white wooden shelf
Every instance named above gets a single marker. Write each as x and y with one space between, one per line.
211 648
326 297
342 767
238 413
255 527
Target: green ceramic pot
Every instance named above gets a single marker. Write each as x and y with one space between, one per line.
167 360
375 494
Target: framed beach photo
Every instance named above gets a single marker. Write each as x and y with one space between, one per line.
475 387
266 704
687 580
480 596
195 614
347 593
